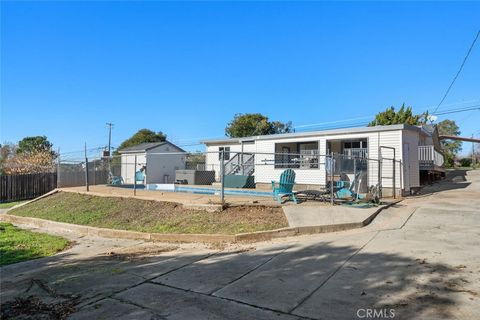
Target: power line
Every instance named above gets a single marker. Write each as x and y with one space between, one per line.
317 126
454 104
329 122
80 151
322 124
188 142
475 107
458 73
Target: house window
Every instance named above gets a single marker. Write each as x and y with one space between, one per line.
357 148
227 153
301 155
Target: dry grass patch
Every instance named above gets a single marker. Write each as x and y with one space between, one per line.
150 216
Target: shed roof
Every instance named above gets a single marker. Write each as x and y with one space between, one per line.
144 147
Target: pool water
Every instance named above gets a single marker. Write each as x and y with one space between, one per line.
198 190
239 192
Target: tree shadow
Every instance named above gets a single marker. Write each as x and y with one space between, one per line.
321 281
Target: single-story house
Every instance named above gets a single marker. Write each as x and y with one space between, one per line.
416 149
156 160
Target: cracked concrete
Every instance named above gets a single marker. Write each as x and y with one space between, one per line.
419 258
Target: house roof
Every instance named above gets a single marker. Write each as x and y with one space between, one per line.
314 133
143 147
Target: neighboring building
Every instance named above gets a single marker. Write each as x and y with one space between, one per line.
157 160
416 147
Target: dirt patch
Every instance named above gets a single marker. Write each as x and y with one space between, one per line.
33 308
151 216
54 306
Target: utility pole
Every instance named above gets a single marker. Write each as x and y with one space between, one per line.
110 125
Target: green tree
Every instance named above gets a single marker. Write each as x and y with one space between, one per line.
465 162
142 136
35 157
7 150
450 147
195 158
36 144
403 116
255 124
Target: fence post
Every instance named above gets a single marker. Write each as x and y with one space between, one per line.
86 174
222 178
401 171
58 171
135 177
94 173
332 176
380 178
394 180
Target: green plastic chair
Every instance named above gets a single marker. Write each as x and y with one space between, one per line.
285 186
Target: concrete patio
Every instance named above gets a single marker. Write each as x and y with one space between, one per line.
419 258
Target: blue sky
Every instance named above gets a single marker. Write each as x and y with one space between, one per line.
186 68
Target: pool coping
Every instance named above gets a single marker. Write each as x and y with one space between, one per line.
186 237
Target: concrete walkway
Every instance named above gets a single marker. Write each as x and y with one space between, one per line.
419 259
325 215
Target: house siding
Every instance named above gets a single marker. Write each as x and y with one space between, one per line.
128 166
387 139
265 171
411 166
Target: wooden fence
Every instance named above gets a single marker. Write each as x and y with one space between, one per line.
26 186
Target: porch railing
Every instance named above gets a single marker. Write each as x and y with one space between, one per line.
356 152
429 157
240 164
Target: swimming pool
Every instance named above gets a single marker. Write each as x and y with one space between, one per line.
238 192
198 190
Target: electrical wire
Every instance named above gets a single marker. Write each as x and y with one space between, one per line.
475 107
458 72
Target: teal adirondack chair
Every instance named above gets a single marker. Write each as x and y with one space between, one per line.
139 176
285 186
116 180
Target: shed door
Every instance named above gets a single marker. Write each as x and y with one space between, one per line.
406 166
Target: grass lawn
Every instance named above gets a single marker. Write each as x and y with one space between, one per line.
8 205
18 245
150 216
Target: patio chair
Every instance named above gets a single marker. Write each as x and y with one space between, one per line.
115 180
139 176
285 186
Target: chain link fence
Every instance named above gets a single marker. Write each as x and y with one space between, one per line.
310 176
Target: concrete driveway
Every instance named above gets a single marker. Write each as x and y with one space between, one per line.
418 260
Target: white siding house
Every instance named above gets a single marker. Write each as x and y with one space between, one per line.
158 161
399 142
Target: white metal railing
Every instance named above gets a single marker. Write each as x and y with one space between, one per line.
356 152
438 158
310 152
425 153
429 154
